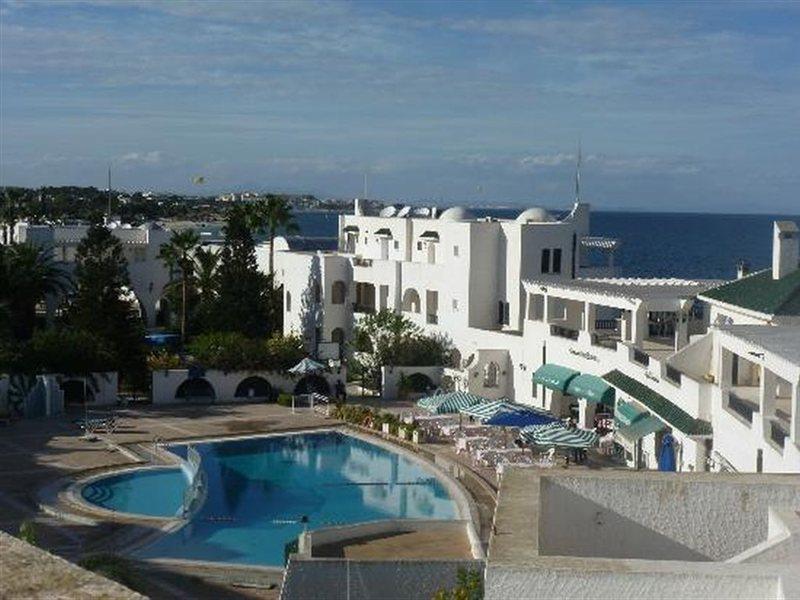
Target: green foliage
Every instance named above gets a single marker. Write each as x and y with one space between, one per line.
285 400
46 352
101 303
27 532
272 215
469 586
162 360
389 338
178 254
246 301
232 351
28 275
113 567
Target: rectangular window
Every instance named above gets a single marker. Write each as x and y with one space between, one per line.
419 245
455 305
396 244
556 260
546 260
455 250
503 312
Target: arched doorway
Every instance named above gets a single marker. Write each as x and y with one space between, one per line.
254 387
419 382
195 389
74 391
411 301
338 292
337 335
313 384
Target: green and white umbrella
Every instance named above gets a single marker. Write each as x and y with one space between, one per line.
488 409
555 434
307 367
449 403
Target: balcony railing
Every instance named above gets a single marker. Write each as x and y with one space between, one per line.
363 308
564 332
604 324
433 318
605 342
641 357
673 374
777 433
741 407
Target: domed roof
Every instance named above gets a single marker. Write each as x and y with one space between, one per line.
534 215
456 213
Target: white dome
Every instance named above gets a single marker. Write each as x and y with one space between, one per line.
534 215
456 213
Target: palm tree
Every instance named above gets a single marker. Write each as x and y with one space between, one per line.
273 215
28 275
206 263
179 253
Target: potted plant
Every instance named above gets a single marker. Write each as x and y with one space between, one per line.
416 436
402 432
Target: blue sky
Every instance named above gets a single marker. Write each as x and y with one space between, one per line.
678 106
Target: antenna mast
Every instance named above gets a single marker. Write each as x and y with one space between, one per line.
578 176
365 186
108 213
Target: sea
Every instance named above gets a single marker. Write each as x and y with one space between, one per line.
683 245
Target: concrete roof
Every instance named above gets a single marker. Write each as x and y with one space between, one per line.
781 341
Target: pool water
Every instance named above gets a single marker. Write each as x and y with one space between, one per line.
152 492
259 489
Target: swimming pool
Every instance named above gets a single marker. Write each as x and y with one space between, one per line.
259 489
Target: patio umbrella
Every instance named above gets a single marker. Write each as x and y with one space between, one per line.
666 460
489 408
555 434
449 403
306 367
519 419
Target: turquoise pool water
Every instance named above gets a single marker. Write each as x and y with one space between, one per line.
152 492
260 488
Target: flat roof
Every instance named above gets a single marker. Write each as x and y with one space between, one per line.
627 287
781 341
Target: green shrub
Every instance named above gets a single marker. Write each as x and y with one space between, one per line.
27 532
113 567
284 399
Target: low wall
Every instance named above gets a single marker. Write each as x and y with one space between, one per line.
310 540
391 376
166 384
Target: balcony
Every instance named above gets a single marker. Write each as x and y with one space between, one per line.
564 332
604 341
363 308
742 407
778 432
641 357
673 374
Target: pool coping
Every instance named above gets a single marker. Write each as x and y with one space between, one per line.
465 504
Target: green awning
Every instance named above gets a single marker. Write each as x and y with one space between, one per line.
554 376
641 428
626 413
592 388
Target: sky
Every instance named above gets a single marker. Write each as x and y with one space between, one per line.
676 106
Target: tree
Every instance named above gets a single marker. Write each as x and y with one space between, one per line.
244 300
102 302
469 586
28 275
272 215
179 253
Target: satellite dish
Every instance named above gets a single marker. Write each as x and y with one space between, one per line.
389 211
404 212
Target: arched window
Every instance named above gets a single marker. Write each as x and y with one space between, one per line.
338 292
491 375
288 302
195 389
253 387
411 302
337 335
455 358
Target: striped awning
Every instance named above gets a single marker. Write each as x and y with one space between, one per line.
486 410
554 376
591 388
641 428
449 403
626 413
555 434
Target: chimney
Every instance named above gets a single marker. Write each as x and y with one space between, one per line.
742 269
785 249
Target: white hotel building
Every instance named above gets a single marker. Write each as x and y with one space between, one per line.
716 364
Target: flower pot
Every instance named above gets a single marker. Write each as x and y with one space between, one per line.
385 428
402 433
416 436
